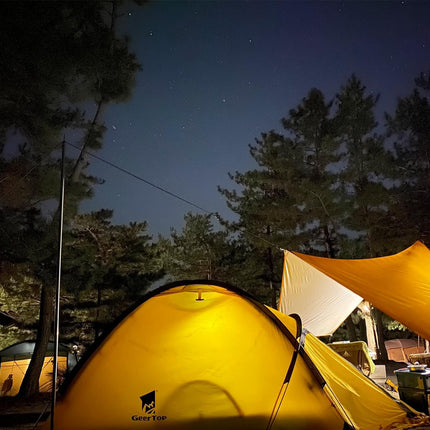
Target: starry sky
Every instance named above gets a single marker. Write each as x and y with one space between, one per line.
216 74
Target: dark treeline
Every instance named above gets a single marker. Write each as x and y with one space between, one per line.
62 65
331 181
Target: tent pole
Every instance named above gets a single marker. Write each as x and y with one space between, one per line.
57 295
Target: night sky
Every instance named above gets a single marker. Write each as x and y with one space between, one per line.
217 74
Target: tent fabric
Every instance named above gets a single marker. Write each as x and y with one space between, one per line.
331 302
201 354
364 402
401 349
398 285
360 397
26 348
14 371
356 353
196 356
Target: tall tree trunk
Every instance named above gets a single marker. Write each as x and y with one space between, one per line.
30 383
83 159
350 327
274 301
382 350
370 327
97 325
331 253
329 243
376 316
362 329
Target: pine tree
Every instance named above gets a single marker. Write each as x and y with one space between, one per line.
410 127
198 251
55 56
365 172
107 268
292 199
366 169
264 223
319 190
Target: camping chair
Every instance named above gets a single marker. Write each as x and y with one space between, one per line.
356 353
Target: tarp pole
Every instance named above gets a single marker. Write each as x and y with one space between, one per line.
57 295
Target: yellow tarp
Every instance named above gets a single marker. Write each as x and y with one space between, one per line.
367 405
202 356
398 285
362 400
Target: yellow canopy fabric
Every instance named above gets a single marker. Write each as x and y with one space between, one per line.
361 399
365 404
398 285
197 356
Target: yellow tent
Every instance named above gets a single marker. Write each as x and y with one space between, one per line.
204 355
398 285
14 361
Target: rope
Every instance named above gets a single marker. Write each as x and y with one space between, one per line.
166 191
151 184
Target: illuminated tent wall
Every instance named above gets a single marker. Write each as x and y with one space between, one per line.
204 355
398 285
330 302
14 361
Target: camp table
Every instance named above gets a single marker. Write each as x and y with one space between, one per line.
414 388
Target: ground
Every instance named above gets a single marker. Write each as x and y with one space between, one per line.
22 414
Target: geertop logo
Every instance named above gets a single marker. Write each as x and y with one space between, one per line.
148 408
148 403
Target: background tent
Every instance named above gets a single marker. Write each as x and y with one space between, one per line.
14 361
6 319
398 285
202 355
401 349
322 303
